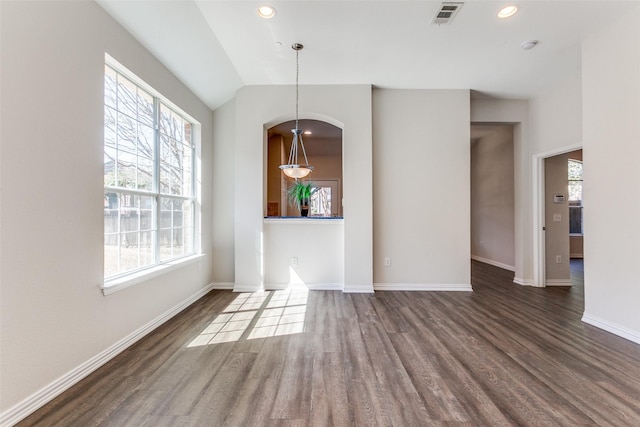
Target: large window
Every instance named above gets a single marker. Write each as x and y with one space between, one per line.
575 197
149 206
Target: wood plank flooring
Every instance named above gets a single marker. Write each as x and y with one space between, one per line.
502 355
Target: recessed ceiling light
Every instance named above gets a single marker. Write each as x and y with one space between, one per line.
266 11
307 132
507 12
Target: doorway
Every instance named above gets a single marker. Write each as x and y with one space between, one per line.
493 195
559 208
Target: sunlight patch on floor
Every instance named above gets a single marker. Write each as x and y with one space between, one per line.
257 315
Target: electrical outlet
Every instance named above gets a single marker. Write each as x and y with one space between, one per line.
387 262
558 259
557 217
294 261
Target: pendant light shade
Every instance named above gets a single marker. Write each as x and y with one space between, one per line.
293 168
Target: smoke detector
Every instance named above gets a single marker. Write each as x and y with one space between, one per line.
528 45
446 12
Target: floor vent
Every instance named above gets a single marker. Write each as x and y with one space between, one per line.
446 12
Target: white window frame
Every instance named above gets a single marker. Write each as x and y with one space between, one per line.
577 207
128 278
334 185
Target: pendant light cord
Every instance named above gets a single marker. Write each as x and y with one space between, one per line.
297 90
293 169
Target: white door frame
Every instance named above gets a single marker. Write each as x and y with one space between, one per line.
539 272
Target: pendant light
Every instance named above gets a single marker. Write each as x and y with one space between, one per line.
293 169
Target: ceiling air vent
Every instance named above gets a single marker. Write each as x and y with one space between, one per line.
446 12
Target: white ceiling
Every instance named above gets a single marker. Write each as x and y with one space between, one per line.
216 47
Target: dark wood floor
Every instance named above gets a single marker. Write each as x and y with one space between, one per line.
502 355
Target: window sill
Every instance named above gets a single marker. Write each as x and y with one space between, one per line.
115 285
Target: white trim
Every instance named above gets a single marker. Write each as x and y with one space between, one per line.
309 286
522 282
247 288
38 399
422 287
533 284
222 286
494 263
119 68
358 289
279 286
621 331
121 283
538 221
352 289
558 282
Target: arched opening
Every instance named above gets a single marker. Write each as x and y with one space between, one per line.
323 146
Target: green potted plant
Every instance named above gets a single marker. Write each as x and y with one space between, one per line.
299 195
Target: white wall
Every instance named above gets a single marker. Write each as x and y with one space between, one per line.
317 245
223 245
492 196
53 314
421 188
556 127
556 117
611 124
260 107
445 230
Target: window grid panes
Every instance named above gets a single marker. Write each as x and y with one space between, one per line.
320 203
148 177
575 196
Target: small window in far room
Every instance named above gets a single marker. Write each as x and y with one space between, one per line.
320 204
575 197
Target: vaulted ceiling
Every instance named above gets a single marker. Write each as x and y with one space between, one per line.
216 47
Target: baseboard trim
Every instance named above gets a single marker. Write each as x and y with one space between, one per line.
277 287
621 331
358 289
494 263
222 286
38 399
522 282
247 288
558 282
422 287
309 286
